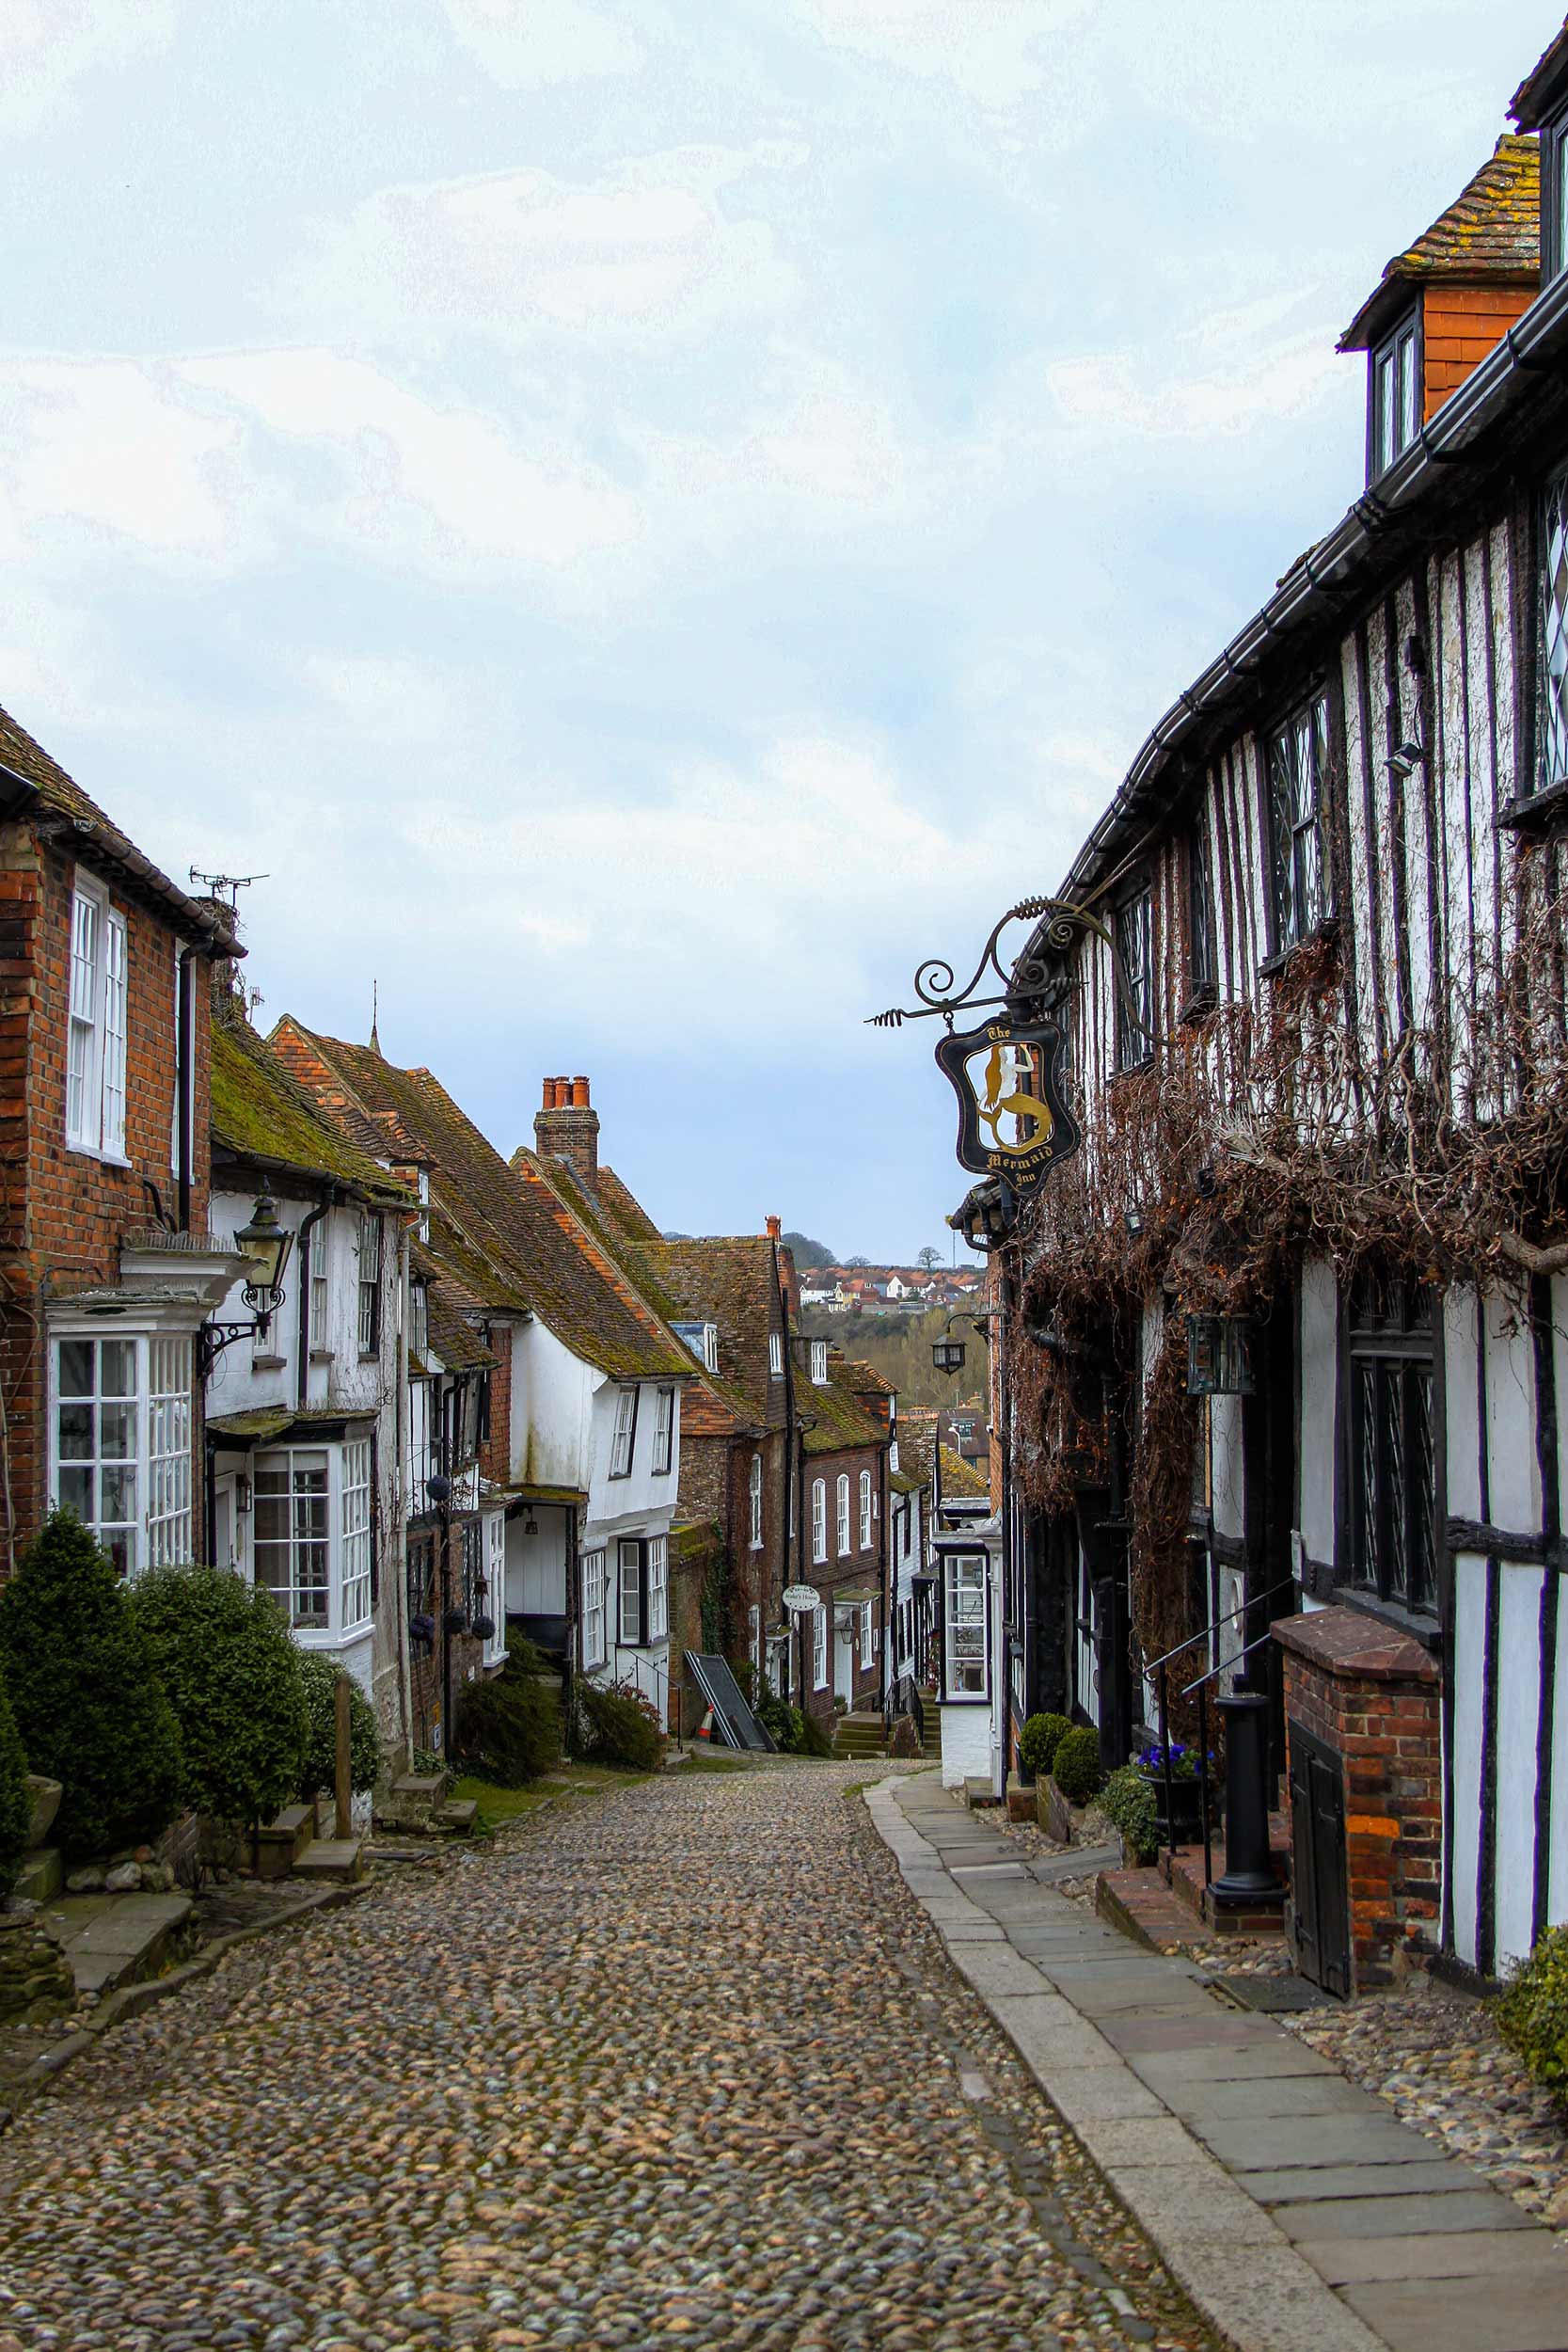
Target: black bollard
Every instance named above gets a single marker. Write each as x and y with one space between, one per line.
1248 1877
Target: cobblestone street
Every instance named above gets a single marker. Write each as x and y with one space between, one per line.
685 2063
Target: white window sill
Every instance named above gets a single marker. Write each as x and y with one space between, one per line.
105 1159
315 1637
269 1364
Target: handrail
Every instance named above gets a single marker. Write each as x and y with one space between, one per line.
1215 1623
1227 1663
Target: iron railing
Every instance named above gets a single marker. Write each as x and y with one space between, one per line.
1160 1668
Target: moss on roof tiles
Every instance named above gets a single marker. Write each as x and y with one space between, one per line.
1489 232
961 1478
259 1113
840 1423
727 1281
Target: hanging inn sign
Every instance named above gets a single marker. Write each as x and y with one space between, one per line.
1014 1125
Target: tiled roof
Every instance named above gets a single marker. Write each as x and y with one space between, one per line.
730 1282
840 1423
509 1237
866 1381
622 1209
959 1478
261 1114
1489 232
1537 94
194 918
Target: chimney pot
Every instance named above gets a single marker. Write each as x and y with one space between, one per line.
775 1229
549 1094
580 1094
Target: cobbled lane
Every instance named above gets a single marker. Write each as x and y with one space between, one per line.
681 2065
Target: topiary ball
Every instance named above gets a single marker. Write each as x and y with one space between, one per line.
1076 1768
1042 1735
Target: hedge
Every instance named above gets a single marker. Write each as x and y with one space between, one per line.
1042 1735
16 1805
1532 2012
319 1679
223 1654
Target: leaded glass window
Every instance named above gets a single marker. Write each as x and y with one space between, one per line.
1297 777
1393 1455
1554 634
1135 994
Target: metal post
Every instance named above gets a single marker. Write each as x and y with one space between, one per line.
1203 1783
1248 1874
342 1774
1165 1747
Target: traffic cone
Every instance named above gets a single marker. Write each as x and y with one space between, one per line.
704 1730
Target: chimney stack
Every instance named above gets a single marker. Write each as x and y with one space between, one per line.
775 1229
567 1128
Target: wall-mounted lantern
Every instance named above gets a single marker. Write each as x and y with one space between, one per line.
1219 1356
947 1354
264 1244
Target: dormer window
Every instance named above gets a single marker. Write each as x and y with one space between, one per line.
820 1363
702 1339
1554 196
775 1355
1395 395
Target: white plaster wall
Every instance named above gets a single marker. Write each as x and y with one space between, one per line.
1462 1416
1468 1704
1515 1469
1226 1427
966 1745
536 1563
1557 1882
1518 1717
552 1400
1320 1320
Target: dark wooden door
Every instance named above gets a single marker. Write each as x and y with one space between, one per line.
1320 1888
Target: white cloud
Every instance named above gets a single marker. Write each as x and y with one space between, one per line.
997 50
479 493
102 442
646 243
525 44
49 45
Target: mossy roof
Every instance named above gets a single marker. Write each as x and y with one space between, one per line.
262 1115
514 1242
959 1477
1489 232
840 1425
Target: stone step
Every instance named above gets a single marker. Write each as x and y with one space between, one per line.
1183 1873
332 1858
280 1843
42 1875
111 1940
458 1817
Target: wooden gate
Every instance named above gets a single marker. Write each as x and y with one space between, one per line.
1320 1884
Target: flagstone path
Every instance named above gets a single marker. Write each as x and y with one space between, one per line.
683 2065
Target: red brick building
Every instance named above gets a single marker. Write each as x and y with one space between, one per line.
106 1268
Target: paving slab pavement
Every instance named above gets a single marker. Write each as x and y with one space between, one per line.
1298 2212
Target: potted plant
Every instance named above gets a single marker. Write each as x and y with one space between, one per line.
1184 1824
454 1621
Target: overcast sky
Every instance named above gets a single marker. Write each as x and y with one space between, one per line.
646 517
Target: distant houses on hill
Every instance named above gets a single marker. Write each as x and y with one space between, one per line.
889 1289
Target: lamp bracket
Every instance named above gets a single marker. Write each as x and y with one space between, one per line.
1032 978
213 1338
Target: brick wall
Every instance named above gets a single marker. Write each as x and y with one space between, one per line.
63 1212
1370 1695
858 1568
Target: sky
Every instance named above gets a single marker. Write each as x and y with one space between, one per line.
643 519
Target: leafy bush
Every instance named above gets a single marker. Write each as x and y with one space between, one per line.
319 1676
223 1654
87 1703
815 1740
1128 1804
1042 1735
1532 2012
618 1725
1076 1767
509 1728
16 1806
778 1718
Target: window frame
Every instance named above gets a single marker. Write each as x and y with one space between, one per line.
818 1522
1404 337
1316 711
1554 196
841 1515
753 1499
288 1596
624 1432
866 1514
1133 923
161 1530
1203 974
593 1576
819 1364
367 1321
867 1647
972 1658
656 1594
630 1552
356 1534
495 1584
819 1646
1398 1358
98 1007
775 1356
664 1431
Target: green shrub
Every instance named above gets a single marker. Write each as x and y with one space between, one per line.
617 1725
1042 1735
509 1729
1076 1768
16 1805
223 1654
319 1679
1128 1804
1532 2012
815 1740
87 1703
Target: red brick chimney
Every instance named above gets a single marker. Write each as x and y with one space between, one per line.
775 1227
567 1128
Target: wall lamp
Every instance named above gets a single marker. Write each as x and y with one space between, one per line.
264 1244
1405 757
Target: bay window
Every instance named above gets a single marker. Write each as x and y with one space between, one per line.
95 1042
355 1520
120 1444
495 1586
293 1538
964 1625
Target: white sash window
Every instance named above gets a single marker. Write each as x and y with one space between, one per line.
818 1519
842 1513
120 1434
754 1492
658 1588
97 1025
865 1510
595 1648
625 1433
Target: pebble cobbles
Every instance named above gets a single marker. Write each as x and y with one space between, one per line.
683 2065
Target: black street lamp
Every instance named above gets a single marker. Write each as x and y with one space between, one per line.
947 1354
264 1244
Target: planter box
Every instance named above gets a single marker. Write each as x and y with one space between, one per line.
1056 1817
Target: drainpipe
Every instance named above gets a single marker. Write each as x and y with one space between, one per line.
185 1086
405 1671
302 1246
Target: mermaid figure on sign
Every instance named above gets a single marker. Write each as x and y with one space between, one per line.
1010 1066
